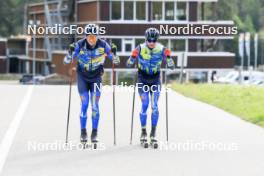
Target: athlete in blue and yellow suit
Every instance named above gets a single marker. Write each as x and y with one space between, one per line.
90 53
150 56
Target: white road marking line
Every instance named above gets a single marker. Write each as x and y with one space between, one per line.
11 132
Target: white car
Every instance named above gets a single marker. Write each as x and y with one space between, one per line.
249 78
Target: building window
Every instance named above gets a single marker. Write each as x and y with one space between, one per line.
116 10
118 43
181 11
157 10
128 10
169 11
128 45
139 41
177 45
164 42
140 10
212 45
106 39
65 43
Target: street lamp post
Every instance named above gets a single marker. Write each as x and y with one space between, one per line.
241 41
247 47
256 52
36 23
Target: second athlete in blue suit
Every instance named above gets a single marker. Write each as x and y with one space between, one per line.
150 55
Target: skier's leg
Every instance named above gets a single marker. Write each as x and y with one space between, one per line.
144 96
95 97
83 91
155 93
84 102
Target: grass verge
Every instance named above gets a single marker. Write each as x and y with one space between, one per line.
247 102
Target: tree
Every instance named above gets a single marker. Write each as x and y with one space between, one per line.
11 16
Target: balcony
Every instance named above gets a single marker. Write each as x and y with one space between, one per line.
16 51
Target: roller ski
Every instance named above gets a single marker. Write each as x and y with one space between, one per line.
83 139
143 138
94 140
153 141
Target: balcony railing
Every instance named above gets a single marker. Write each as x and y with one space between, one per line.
16 51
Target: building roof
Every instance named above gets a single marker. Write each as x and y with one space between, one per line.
3 39
80 1
20 37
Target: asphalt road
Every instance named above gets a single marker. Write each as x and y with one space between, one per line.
203 140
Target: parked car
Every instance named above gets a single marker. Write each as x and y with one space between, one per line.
197 77
30 79
256 82
261 84
250 78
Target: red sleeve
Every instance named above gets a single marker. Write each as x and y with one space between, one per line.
135 53
167 52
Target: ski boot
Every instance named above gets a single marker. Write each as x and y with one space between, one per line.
83 137
143 138
94 138
153 140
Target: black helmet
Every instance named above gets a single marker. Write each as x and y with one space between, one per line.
152 34
91 29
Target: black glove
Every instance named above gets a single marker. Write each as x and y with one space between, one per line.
170 63
113 48
71 47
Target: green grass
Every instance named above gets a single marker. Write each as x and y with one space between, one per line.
10 76
246 102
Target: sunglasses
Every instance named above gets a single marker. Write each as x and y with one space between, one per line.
152 40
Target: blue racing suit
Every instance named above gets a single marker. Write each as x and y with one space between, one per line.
90 62
149 85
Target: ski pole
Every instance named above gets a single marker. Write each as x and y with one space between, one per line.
166 104
69 105
113 77
133 108
114 82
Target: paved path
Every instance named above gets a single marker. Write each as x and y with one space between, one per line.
204 140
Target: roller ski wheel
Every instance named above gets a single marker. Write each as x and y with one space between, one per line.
153 140
144 144
83 138
143 139
85 144
94 139
95 144
154 143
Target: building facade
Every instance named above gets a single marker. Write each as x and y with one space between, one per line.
3 58
125 22
14 55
